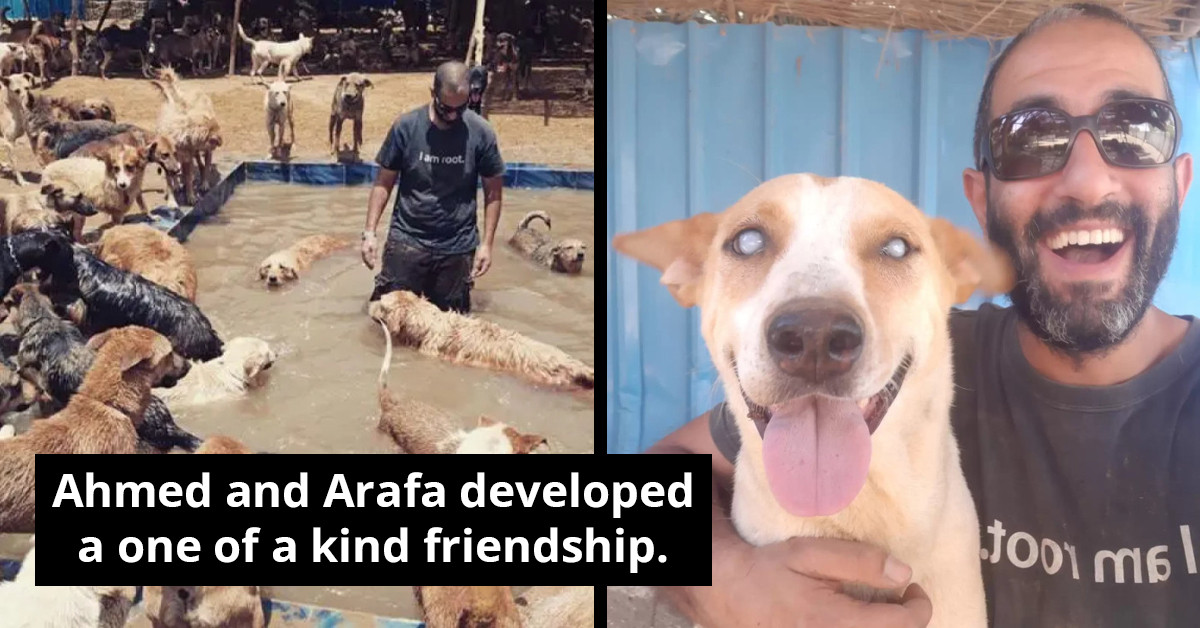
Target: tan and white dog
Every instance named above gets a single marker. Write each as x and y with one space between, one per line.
824 305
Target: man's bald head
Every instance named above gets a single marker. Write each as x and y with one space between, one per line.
452 77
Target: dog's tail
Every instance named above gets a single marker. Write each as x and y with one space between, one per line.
387 356
245 37
166 82
524 224
4 18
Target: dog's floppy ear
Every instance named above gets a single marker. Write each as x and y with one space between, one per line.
486 421
95 342
49 189
972 265
262 271
368 83
342 81
677 249
526 443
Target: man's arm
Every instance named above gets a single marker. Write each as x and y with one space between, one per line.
797 582
380 192
493 190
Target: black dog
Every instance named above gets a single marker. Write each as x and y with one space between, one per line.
67 136
103 297
53 353
114 41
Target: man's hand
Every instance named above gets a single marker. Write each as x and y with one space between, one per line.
798 583
483 261
368 249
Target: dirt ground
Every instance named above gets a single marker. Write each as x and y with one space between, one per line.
568 140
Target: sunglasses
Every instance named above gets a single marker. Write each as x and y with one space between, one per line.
1035 142
444 111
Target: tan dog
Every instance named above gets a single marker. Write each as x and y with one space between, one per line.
465 340
348 103
222 445
188 118
283 266
286 54
111 183
242 366
419 428
468 607
15 102
558 607
824 306
101 418
277 102
158 257
28 605
53 206
160 149
564 256
204 607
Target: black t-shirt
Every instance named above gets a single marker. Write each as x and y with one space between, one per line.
1088 497
439 175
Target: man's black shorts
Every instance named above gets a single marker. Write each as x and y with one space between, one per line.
443 279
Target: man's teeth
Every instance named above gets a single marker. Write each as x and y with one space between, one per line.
1082 237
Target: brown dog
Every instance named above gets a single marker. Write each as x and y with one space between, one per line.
144 250
348 103
101 418
222 445
204 607
563 256
283 266
419 428
474 342
159 149
468 607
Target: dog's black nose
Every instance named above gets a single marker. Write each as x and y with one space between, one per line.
814 340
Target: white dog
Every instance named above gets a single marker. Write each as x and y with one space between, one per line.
25 604
286 54
278 104
241 367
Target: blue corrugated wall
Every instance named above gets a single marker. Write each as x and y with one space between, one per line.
698 115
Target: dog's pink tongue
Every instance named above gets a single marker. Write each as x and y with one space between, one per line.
817 451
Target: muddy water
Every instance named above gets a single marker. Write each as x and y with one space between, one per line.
320 397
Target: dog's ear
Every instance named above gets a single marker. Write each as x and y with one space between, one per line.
49 189
342 81
262 271
677 249
368 83
526 443
290 273
972 265
486 421
95 342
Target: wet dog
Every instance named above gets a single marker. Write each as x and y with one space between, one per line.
112 183
242 367
53 206
348 102
53 354
419 428
189 120
106 297
26 604
474 342
222 445
204 607
283 266
60 138
154 255
101 417
564 256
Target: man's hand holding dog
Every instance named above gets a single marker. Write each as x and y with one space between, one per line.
369 249
798 583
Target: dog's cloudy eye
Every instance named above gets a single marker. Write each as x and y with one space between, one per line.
748 242
896 248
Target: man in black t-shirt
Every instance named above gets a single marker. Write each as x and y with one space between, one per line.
439 152
1076 411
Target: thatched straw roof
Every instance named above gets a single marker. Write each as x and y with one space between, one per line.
956 18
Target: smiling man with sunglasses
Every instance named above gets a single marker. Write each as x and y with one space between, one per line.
438 152
1077 411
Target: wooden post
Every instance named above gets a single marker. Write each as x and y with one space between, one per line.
233 34
546 112
28 15
475 47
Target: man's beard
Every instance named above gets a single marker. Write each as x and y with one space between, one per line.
1082 321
